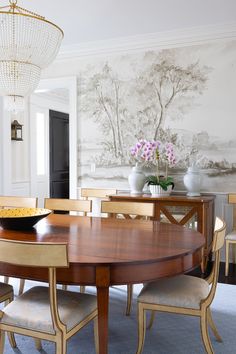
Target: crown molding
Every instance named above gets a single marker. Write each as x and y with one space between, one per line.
159 40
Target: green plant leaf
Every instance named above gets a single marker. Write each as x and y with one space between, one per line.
161 180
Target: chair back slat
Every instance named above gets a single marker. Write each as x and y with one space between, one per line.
218 242
18 202
68 204
219 234
128 208
97 193
34 254
232 198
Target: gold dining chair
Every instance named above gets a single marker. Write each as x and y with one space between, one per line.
45 312
97 193
7 295
63 204
128 210
184 294
17 202
230 238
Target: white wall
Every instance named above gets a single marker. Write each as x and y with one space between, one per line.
6 151
20 160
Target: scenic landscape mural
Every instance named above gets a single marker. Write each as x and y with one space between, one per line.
181 95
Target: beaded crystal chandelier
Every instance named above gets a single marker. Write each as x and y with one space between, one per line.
28 43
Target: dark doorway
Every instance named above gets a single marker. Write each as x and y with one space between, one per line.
59 154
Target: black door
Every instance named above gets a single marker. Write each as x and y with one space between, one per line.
59 154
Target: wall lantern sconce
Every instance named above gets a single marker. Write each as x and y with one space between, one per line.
16 131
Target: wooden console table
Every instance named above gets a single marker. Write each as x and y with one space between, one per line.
193 212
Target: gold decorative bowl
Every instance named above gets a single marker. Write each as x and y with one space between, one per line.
21 218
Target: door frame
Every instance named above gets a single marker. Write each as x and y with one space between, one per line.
69 83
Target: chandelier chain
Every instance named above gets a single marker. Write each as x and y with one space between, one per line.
30 12
14 9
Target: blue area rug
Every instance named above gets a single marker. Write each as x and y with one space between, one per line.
170 334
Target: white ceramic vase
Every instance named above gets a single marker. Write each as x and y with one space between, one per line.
192 181
157 191
136 180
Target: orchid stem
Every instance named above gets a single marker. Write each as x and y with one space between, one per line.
158 172
166 172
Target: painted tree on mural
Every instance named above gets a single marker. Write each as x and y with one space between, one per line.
104 102
161 87
164 84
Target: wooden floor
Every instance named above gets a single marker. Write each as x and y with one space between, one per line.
231 279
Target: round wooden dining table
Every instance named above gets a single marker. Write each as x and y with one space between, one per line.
107 251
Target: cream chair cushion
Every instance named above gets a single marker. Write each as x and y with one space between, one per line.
5 289
31 310
231 236
180 291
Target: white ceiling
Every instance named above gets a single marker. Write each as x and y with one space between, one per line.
95 20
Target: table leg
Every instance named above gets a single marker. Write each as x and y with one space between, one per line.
102 284
103 303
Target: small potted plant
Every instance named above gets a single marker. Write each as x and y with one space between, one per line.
156 153
153 153
160 185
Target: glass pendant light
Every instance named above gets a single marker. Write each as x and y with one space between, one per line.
28 43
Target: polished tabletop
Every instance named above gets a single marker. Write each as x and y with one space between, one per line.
107 251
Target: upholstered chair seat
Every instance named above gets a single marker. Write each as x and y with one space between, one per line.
32 309
231 236
181 291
